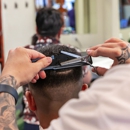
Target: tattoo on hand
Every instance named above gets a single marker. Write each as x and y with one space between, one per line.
124 56
9 80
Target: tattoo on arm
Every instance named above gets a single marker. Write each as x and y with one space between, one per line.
7 112
7 106
9 80
124 56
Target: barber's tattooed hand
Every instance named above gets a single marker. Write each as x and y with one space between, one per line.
124 56
115 49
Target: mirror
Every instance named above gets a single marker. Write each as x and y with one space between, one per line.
66 7
80 16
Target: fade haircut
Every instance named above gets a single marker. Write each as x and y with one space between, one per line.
60 84
49 22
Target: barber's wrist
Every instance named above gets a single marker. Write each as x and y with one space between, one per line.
128 60
9 80
4 88
8 85
128 56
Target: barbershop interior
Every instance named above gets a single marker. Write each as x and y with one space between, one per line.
94 21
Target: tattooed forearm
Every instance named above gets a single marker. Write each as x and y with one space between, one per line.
7 106
124 56
7 112
9 80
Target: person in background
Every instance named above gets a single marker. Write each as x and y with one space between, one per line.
49 23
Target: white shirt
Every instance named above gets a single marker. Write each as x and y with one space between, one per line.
105 106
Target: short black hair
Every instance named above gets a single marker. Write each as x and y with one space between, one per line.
68 81
49 22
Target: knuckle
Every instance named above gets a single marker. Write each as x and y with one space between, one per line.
18 48
10 51
99 50
42 64
97 53
122 44
113 39
117 53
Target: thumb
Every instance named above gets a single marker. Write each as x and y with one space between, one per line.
42 63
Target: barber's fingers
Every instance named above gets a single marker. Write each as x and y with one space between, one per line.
111 40
37 77
95 47
100 71
42 63
120 44
114 40
34 81
42 74
108 45
34 54
106 52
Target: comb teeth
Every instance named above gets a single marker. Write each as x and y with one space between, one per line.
76 60
70 54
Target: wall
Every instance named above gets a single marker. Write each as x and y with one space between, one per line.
83 41
18 23
111 18
86 16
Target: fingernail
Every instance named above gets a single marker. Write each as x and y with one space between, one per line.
89 51
49 59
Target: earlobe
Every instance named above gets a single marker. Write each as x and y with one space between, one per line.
84 87
31 101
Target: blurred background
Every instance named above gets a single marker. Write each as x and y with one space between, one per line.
95 21
86 23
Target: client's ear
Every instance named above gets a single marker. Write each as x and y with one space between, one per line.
84 87
31 101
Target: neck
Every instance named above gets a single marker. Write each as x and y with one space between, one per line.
48 118
46 115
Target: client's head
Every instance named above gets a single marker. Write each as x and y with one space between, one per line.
47 96
49 22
